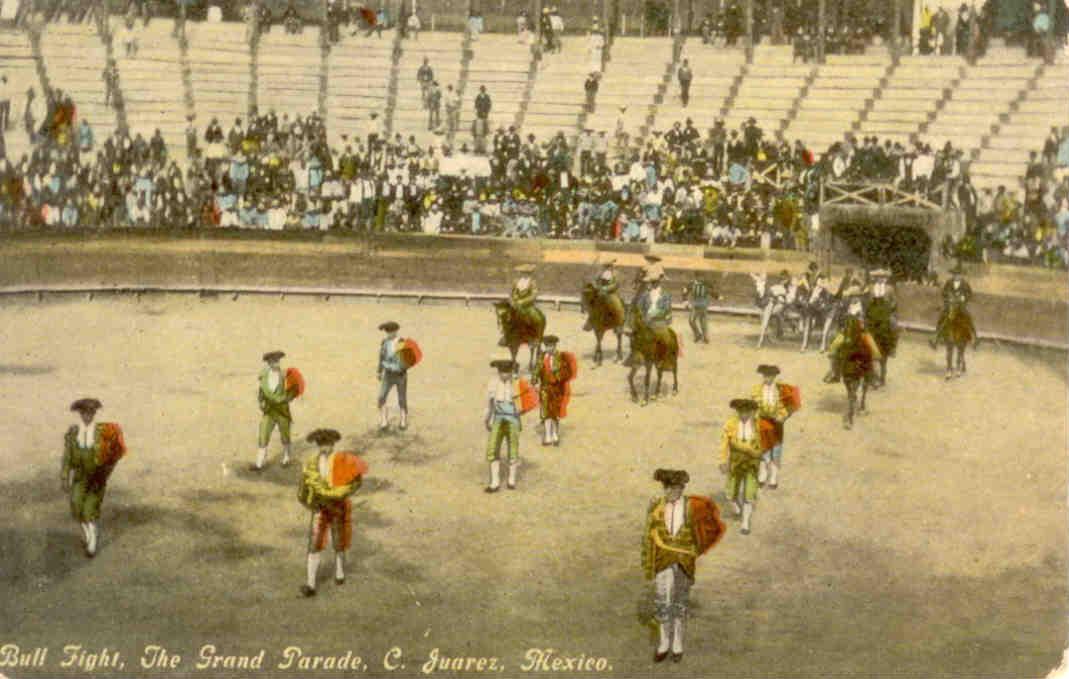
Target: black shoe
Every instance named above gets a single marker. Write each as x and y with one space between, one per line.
660 657
773 486
676 657
745 531
339 581
488 489
254 468
510 486
502 343
286 463
308 591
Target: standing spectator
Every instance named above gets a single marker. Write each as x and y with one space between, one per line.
1039 46
483 104
290 19
546 25
591 87
5 103
425 76
452 110
941 25
434 106
414 26
31 114
475 24
596 47
523 27
685 76
557 21
111 84
962 31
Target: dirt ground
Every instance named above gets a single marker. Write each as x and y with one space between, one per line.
929 541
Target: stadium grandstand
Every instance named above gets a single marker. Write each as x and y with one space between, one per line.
727 123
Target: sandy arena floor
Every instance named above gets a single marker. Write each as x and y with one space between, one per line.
929 541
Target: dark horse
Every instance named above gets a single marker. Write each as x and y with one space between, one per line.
604 313
956 331
880 320
518 331
651 347
854 361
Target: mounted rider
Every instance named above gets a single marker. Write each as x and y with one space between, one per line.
881 316
957 293
607 289
651 271
655 306
854 313
523 297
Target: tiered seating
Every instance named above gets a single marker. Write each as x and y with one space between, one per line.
715 70
357 84
1005 158
152 86
288 72
978 101
219 66
501 64
444 53
837 97
911 95
768 91
75 59
558 97
16 62
632 78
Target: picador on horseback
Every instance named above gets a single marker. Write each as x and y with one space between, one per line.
520 319
653 341
853 354
604 309
955 328
881 319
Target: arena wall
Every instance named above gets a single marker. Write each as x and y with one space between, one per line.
1010 301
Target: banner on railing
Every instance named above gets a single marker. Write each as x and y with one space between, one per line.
473 166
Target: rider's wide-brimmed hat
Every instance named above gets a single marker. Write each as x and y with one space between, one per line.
525 268
881 273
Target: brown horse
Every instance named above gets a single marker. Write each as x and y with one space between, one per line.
956 331
518 331
653 348
855 360
604 313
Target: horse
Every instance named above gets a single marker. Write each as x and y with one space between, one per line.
821 309
518 331
777 302
879 319
854 361
957 332
652 350
604 313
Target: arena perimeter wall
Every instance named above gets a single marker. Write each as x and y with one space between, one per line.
1025 303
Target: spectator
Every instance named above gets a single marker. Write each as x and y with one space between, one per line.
425 76
685 76
434 106
475 24
591 88
5 103
414 26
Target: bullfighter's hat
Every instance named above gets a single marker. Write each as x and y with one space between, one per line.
766 369
389 326
504 364
743 404
273 356
323 437
671 477
550 339
84 405
525 268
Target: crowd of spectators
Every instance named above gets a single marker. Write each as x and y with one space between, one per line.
1029 230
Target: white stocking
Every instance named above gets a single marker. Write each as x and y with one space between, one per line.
261 457
662 647
339 565
677 635
313 568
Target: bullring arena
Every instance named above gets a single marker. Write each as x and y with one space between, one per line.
928 541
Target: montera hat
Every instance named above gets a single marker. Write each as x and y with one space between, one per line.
323 437
525 268
550 339
672 477
389 326
86 405
766 370
743 404
273 356
504 364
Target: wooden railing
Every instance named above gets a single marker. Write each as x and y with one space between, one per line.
878 194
